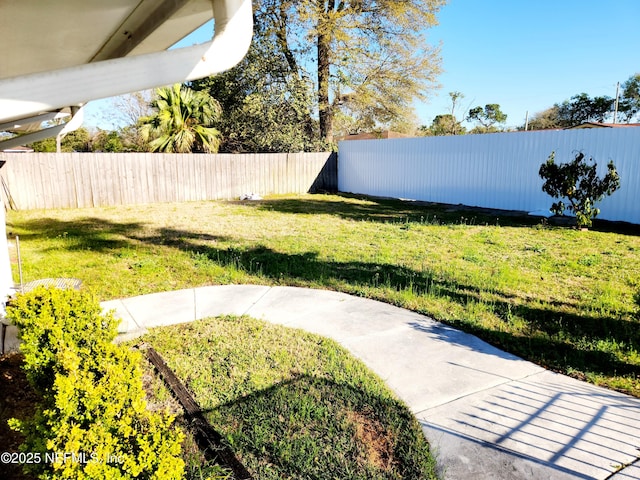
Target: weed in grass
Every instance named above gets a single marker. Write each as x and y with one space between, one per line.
534 248
197 467
589 260
472 257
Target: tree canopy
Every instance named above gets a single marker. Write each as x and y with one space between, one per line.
445 124
317 69
372 51
487 118
545 119
629 106
577 110
267 106
75 141
582 108
107 141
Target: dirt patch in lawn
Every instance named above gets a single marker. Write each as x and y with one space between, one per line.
371 433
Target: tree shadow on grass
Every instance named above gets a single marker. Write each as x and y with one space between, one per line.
88 233
103 236
558 338
388 210
317 428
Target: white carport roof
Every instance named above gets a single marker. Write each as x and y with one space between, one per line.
63 53
43 35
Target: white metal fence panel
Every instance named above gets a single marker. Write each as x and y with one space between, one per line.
497 170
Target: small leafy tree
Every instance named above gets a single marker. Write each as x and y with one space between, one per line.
486 118
578 182
441 125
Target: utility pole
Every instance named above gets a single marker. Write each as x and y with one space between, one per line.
526 121
615 111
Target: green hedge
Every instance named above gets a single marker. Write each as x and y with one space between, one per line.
92 421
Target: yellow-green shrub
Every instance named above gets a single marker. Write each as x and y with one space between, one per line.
93 402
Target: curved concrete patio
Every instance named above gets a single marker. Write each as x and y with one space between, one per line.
486 413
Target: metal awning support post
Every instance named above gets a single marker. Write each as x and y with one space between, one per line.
21 287
6 279
36 120
58 130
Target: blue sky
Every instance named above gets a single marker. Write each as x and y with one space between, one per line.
525 55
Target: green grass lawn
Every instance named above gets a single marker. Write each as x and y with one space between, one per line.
565 299
291 404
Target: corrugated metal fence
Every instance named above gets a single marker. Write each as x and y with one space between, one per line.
492 170
72 180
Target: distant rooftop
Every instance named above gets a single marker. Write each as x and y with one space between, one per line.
604 125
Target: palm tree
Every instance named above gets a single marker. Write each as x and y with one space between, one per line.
182 122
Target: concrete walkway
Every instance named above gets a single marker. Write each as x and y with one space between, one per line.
486 413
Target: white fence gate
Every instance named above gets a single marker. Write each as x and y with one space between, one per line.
498 170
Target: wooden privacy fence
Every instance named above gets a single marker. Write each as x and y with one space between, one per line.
75 180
